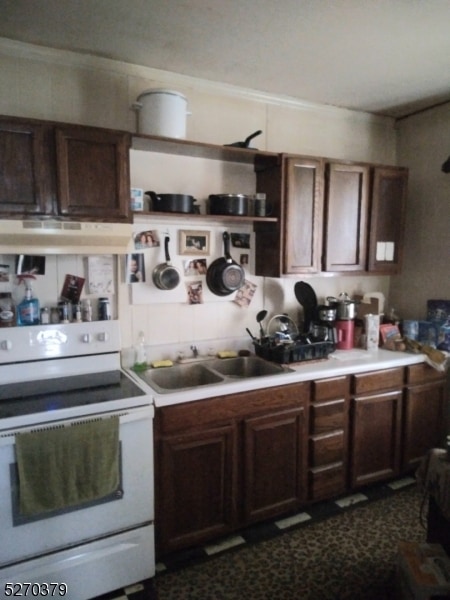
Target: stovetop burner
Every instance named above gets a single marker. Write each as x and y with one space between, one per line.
31 397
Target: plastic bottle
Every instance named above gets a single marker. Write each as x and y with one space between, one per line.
28 312
140 354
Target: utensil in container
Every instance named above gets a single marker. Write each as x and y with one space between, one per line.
259 318
306 296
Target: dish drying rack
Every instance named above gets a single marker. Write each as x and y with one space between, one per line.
295 351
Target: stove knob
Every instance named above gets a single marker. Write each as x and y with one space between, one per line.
87 338
6 345
103 336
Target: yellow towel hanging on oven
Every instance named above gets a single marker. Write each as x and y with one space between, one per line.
67 466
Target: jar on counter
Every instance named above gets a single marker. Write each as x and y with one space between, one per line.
45 316
64 312
7 310
104 309
86 310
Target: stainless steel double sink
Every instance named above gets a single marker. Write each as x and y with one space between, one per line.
181 377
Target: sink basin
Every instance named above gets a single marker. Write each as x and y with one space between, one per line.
245 366
179 377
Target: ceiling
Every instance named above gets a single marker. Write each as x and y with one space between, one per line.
390 57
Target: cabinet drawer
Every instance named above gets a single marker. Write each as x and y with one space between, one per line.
327 389
224 409
327 482
422 373
327 416
379 380
326 449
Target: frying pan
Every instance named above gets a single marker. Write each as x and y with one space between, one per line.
166 277
246 142
224 276
306 296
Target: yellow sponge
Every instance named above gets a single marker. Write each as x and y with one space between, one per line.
227 354
156 364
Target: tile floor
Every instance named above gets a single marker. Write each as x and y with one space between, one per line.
258 532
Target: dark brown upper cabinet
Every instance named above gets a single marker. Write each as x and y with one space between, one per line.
93 173
387 219
294 189
346 217
26 178
50 170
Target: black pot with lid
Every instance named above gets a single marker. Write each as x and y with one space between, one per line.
229 204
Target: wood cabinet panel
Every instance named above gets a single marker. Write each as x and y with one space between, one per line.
327 448
328 440
422 373
93 173
303 215
228 461
196 487
424 421
275 463
179 417
328 416
334 387
375 437
327 482
346 215
26 184
387 219
378 380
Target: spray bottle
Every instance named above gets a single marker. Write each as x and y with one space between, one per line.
28 310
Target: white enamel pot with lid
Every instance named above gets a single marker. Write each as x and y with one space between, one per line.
162 112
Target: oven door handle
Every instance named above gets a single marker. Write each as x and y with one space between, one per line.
126 416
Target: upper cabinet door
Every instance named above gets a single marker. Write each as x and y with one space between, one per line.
303 215
387 219
26 184
93 173
347 198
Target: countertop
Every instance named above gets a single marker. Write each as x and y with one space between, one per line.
340 362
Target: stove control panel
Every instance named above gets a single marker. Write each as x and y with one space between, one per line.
36 342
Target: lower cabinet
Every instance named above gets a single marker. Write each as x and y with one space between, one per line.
425 418
196 491
328 438
376 420
223 463
275 463
226 462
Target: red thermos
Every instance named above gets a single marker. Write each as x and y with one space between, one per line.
345 332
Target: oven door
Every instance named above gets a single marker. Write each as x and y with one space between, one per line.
49 532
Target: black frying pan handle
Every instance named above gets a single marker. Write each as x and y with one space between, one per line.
250 137
166 248
226 246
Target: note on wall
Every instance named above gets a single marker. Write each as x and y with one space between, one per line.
101 274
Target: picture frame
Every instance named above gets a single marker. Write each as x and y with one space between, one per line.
196 243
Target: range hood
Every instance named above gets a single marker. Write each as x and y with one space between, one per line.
64 237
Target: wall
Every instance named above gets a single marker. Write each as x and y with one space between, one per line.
42 83
424 144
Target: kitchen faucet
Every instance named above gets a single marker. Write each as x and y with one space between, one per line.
194 351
